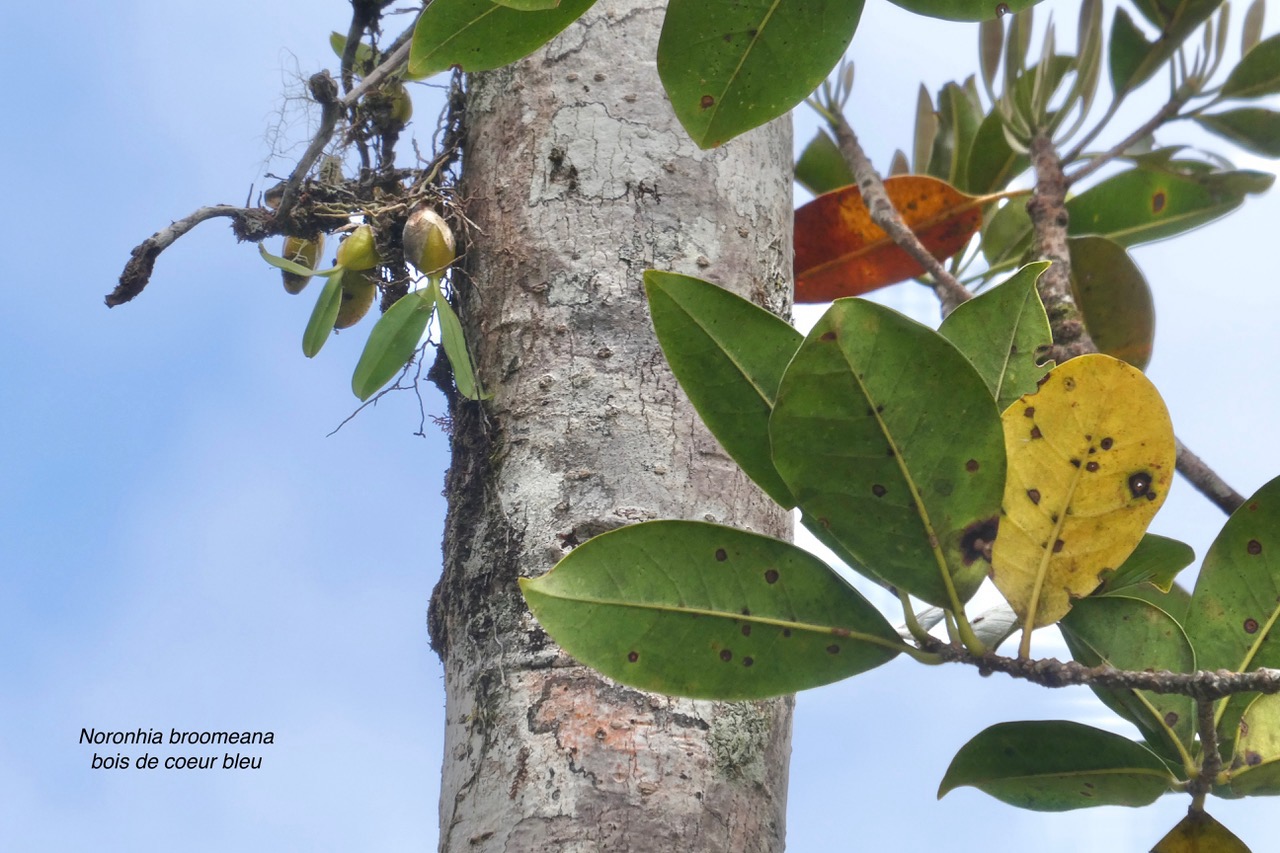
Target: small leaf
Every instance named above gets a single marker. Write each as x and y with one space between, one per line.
1236 601
1002 333
1056 765
1131 634
990 47
1141 205
365 59
294 267
1255 766
926 131
729 355
964 10
841 252
899 165
992 163
1114 299
1251 31
889 440
1257 74
1156 561
392 342
477 35
821 167
455 347
1252 128
1091 456
721 63
959 114
694 609
320 326
1007 235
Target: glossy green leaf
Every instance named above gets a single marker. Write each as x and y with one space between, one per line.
1114 298
1157 561
294 267
821 167
320 326
694 609
729 67
1198 832
1056 765
889 439
1129 633
1255 764
963 10
1252 128
1142 205
1003 332
529 5
477 35
392 342
992 162
729 355
1236 601
455 347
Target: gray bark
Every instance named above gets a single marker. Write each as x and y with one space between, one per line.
577 179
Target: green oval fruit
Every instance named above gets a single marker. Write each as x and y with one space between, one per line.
358 251
300 251
358 290
428 241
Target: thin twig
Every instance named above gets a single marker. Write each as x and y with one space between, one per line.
1166 113
1210 754
1207 482
1051 672
950 291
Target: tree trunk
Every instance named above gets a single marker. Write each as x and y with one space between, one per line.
578 178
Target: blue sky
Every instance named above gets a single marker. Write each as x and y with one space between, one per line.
184 547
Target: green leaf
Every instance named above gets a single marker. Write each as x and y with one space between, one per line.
992 162
1129 48
1157 561
1251 30
477 35
1175 21
392 342
365 59
1255 766
1001 332
529 5
1131 634
1252 128
927 124
1055 765
1199 832
990 48
294 267
963 10
320 326
1007 234
821 167
694 609
729 355
1236 600
729 67
959 115
455 347
1113 298
1142 205
888 438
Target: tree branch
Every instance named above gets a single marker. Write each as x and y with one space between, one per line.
1166 113
1051 672
950 291
250 223
1207 482
1210 754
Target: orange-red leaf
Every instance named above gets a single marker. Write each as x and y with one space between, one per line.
841 252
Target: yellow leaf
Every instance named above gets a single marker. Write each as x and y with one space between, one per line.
1091 456
1198 832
